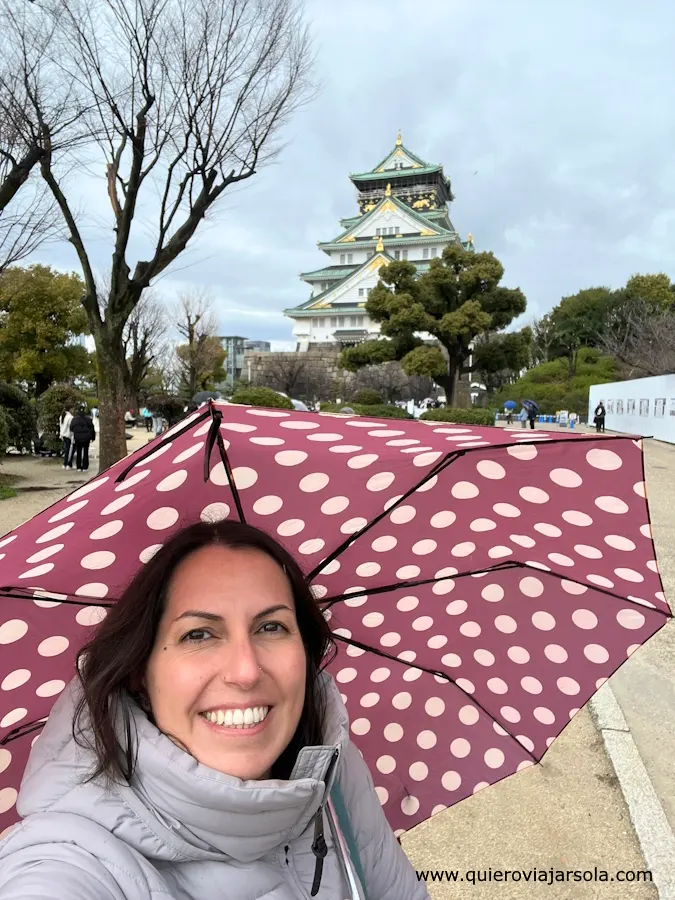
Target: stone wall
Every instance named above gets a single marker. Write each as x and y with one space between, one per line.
313 373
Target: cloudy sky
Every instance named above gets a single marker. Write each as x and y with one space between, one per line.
554 120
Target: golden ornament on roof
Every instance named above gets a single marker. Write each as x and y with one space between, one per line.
387 191
380 246
398 139
470 238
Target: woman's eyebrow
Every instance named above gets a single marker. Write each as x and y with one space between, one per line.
214 617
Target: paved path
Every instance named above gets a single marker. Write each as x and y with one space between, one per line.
566 813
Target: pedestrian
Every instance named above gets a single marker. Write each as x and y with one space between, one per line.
65 435
194 751
83 431
509 415
523 417
532 409
600 413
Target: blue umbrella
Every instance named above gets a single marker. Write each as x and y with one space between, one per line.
510 404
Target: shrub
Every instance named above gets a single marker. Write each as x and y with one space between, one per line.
4 432
50 405
261 396
92 402
19 414
381 411
460 416
367 397
168 406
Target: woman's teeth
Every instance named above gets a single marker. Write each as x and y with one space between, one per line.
238 718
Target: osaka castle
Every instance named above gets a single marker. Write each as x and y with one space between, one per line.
403 214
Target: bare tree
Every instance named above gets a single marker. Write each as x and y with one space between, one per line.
201 357
641 336
144 343
282 371
184 99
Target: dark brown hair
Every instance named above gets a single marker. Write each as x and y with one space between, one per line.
114 661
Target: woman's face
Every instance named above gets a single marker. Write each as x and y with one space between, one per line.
226 676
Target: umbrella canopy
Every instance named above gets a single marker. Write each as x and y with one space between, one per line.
530 404
510 404
481 583
202 396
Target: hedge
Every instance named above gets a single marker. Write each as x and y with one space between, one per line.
4 432
460 416
367 397
167 406
381 411
19 414
50 405
261 396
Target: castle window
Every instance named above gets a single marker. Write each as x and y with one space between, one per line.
341 321
434 251
397 254
342 259
405 254
360 292
378 231
333 322
425 253
350 258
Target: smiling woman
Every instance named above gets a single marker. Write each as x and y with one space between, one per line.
194 753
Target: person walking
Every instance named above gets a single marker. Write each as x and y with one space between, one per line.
65 435
84 433
600 413
523 418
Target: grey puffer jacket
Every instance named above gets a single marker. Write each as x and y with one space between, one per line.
184 831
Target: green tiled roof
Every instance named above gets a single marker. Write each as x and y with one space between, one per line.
300 312
391 174
330 273
423 219
390 241
407 152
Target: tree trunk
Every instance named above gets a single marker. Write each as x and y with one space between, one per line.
42 382
449 383
111 365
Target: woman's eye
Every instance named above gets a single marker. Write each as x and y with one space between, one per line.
273 628
196 636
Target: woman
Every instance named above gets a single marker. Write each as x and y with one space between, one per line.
600 413
192 756
83 432
64 434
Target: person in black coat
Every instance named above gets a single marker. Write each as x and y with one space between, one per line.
83 431
600 413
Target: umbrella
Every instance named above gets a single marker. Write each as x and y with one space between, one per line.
481 584
203 396
530 404
510 404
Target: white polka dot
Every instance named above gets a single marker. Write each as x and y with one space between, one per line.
351 526
441 588
505 624
355 602
393 732
373 619
312 546
427 485
559 559
544 621
531 685
382 795
531 587
424 548
290 527
91 615
401 700
507 510
547 530
87 489
343 448
108 530
629 575
493 593
600 581
613 505
407 573
481 525
363 461
148 552
470 629
53 646
464 490
379 675
544 715
423 623
317 481
494 758
380 482
645 531
500 552
604 459
490 469
132 480
334 505
534 495
587 551
466 548
469 715
384 544
46 553
50 688
524 452
360 726
443 519
566 478
215 512
437 642
402 515
426 459
8 797
640 489
630 618
407 604
5 760
574 517
94 589
390 639
173 481
596 653
14 680
290 457
460 748
451 781
9 540
244 477
385 764
497 685
465 685
189 453
555 653
510 714
523 540
344 676
451 660
101 559
571 587
299 426
568 686
584 618
618 542
426 740
370 699
434 707
55 532
162 518
37 571
518 655
525 741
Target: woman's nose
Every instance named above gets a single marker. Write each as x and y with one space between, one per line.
240 665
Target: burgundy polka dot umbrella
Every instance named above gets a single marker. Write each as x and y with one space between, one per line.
481 583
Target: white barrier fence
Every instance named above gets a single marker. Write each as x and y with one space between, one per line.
644 406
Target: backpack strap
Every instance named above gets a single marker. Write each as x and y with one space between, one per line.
340 810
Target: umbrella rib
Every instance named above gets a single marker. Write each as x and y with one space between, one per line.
233 487
123 474
446 461
10 593
22 731
434 672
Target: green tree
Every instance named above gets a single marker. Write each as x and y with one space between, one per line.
498 359
50 406
40 314
579 320
455 301
654 291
